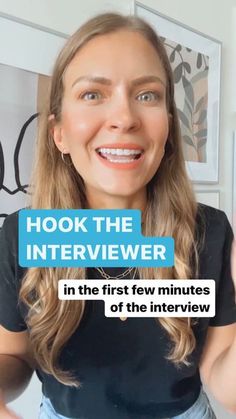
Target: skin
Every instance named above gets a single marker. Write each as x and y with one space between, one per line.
125 108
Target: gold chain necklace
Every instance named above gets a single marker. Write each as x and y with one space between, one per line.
120 276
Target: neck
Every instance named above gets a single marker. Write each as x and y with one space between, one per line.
98 200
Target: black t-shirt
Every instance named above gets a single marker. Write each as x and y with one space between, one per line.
122 364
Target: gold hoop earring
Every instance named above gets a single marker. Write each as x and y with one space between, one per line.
62 157
64 160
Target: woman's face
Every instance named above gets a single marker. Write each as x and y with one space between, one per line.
114 120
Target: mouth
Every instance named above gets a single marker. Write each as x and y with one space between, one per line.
120 155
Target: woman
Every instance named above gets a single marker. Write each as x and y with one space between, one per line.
110 139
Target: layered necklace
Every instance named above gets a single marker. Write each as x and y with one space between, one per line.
130 271
120 276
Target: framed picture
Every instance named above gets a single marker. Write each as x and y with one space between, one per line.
196 62
208 197
26 59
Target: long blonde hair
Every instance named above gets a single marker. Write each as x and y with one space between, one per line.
171 211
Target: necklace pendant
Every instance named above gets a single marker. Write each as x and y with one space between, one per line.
123 319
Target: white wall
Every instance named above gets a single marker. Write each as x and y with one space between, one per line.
61 15
212 17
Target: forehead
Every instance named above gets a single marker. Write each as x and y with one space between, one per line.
122 53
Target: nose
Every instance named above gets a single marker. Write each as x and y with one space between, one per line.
123 116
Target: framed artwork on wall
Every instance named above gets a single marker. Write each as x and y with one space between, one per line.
196 62
26 58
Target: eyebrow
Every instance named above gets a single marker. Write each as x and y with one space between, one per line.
148 79
108 82
101 80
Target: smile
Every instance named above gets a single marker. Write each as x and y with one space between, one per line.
119 155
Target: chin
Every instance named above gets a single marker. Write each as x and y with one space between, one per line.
123 192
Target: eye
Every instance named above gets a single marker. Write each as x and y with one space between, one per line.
91 96
149 96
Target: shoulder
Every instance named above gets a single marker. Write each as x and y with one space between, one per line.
9 259
214 237
11 274
9 240
212 223
11 222
9 234
210 214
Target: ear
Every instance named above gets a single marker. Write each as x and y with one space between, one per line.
56 132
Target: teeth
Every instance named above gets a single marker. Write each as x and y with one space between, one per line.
119 151
120 161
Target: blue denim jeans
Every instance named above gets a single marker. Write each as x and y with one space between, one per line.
201 409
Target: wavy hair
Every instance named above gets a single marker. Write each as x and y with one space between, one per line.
171 211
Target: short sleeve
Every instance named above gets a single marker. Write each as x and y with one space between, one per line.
10 276
225 291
